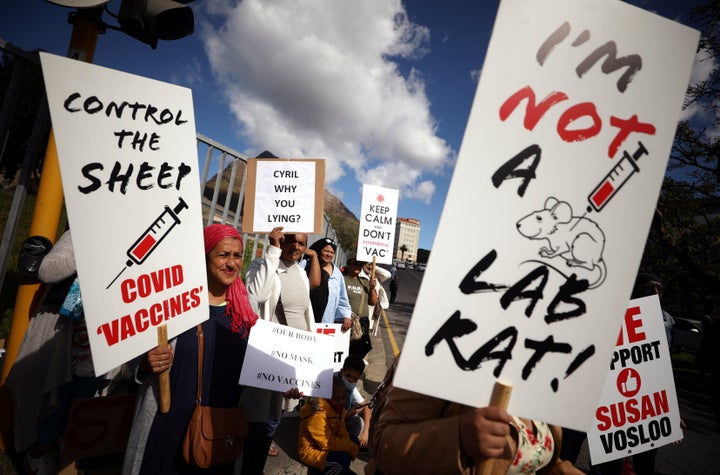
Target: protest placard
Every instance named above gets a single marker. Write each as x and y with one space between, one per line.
284 192
129 168
638 410
280 358
376 236
342 342
549 207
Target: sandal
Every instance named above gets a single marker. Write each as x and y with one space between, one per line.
273 451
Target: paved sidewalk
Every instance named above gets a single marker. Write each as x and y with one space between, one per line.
286 463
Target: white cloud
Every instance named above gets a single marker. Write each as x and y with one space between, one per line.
316 78
190 74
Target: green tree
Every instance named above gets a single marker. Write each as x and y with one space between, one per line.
403 249
347 232
28 101
684 241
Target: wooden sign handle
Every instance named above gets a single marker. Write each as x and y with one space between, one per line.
372 274
164 377
500 398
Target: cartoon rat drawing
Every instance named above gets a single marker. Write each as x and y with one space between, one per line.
577 239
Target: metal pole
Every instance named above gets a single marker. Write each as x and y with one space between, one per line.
46 215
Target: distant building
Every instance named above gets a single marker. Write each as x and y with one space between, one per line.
407 232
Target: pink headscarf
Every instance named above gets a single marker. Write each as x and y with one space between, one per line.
239 306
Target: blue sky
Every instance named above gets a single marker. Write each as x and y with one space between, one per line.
379 88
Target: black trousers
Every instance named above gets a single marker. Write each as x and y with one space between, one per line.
362 345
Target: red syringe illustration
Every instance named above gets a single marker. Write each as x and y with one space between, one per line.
613 181
149 240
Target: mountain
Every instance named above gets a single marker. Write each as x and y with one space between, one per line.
224 184
345 223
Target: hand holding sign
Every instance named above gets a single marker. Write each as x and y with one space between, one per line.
275 236
160 359
293 393
483 432
498 400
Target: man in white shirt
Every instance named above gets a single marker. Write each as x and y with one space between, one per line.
281 290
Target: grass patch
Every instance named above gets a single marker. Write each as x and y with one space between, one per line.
684 360
12 277
8 293
687 374
6 465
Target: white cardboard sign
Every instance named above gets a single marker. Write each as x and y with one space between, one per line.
638 410
342 342
285 195
284 192
376 236
549 207
280 358
129 167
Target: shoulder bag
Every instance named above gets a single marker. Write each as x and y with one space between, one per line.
356 330
215 435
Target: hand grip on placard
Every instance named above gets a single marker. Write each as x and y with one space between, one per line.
500 398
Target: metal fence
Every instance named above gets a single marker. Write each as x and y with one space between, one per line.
222 184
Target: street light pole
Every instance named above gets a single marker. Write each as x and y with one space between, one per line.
46 215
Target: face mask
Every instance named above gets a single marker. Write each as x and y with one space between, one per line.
348 385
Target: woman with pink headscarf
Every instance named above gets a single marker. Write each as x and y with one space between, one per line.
155 444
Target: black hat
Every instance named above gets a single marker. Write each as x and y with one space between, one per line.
352 257
320 244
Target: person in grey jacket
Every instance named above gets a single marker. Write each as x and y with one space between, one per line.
281 289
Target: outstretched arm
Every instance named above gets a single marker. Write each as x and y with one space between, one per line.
59 263
259 278
417 433
314 269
